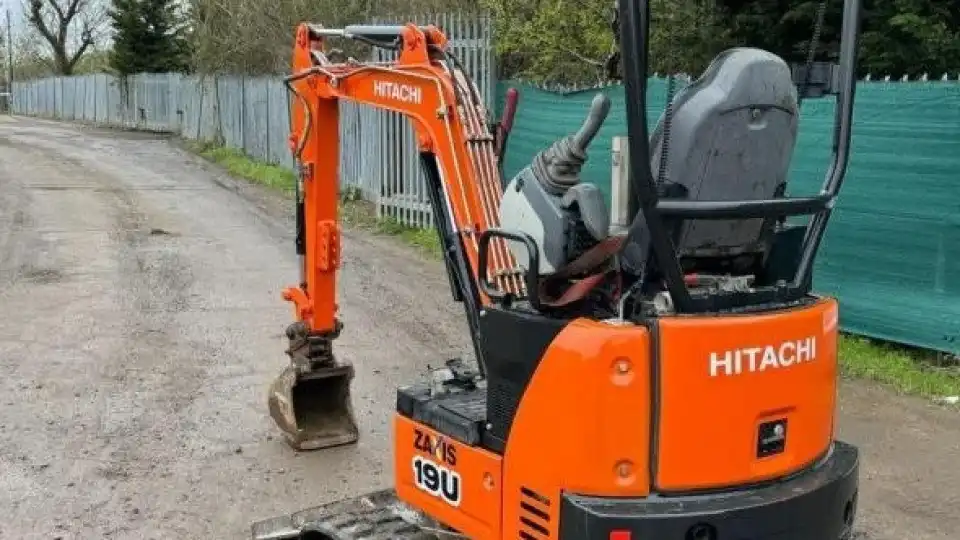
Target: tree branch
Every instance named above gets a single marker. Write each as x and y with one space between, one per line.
86 40
35 18
582 58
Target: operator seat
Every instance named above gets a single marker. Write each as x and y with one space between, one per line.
731 137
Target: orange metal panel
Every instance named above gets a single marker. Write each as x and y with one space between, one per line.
456 484
583 425
721 377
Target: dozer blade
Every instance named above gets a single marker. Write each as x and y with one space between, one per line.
313 408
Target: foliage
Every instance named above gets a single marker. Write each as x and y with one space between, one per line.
899 37
148 37
912 37
556 42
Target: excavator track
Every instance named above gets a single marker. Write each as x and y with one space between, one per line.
374 516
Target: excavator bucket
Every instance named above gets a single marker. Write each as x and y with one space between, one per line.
313 408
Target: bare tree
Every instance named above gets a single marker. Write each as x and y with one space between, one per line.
54 20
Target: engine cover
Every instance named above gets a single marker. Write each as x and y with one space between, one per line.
563 226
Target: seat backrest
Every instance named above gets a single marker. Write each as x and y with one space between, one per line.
732 136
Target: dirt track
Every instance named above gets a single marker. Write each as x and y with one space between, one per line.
140 323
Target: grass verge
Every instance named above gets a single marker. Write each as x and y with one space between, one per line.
239 164
907 371
354 211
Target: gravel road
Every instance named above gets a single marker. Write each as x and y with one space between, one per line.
140 324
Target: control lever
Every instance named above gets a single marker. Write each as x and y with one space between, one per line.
558 167
599 109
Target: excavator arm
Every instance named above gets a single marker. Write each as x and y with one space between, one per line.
459 154
453 137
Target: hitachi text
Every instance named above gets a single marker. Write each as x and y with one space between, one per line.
399 92
757 359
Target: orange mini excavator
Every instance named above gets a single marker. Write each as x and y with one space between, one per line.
675 380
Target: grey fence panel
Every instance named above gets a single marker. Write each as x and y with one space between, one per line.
56 87
230 108
351 154
44 97
89 99
38 103
158 102
141 107
48 98
371 148
134 106
153 91
116 115
201 128
25 99
69 98
257 118
190 103
87 88
45 103
49 107
346 141
92 99
76 98
59 111
105 105
278 103
208 114
173 102
19 103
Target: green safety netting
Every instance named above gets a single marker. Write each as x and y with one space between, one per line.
892 251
